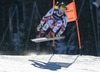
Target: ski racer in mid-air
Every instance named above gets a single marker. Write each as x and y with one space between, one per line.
55 20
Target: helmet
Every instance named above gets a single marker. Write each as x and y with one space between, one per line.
62 6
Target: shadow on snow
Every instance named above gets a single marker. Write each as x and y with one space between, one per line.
49 65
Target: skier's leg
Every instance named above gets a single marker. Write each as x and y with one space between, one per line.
44 28
58 25
41 34
47 25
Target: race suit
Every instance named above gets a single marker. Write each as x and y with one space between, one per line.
54 21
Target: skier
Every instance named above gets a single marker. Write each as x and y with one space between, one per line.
55 19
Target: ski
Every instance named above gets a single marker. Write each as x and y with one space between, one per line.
46 39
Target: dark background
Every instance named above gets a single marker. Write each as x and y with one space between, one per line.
19 18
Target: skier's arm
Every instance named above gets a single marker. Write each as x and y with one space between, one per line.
47 16
63 27
49 13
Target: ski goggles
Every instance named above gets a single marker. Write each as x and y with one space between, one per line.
62 8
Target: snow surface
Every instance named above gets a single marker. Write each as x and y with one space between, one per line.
49 63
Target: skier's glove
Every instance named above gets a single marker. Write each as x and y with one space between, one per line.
58 35
39 27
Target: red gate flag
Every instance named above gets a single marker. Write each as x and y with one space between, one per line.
71 12
72 16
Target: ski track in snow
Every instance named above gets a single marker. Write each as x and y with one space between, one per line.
46 63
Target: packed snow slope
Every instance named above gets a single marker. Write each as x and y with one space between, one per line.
49 63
